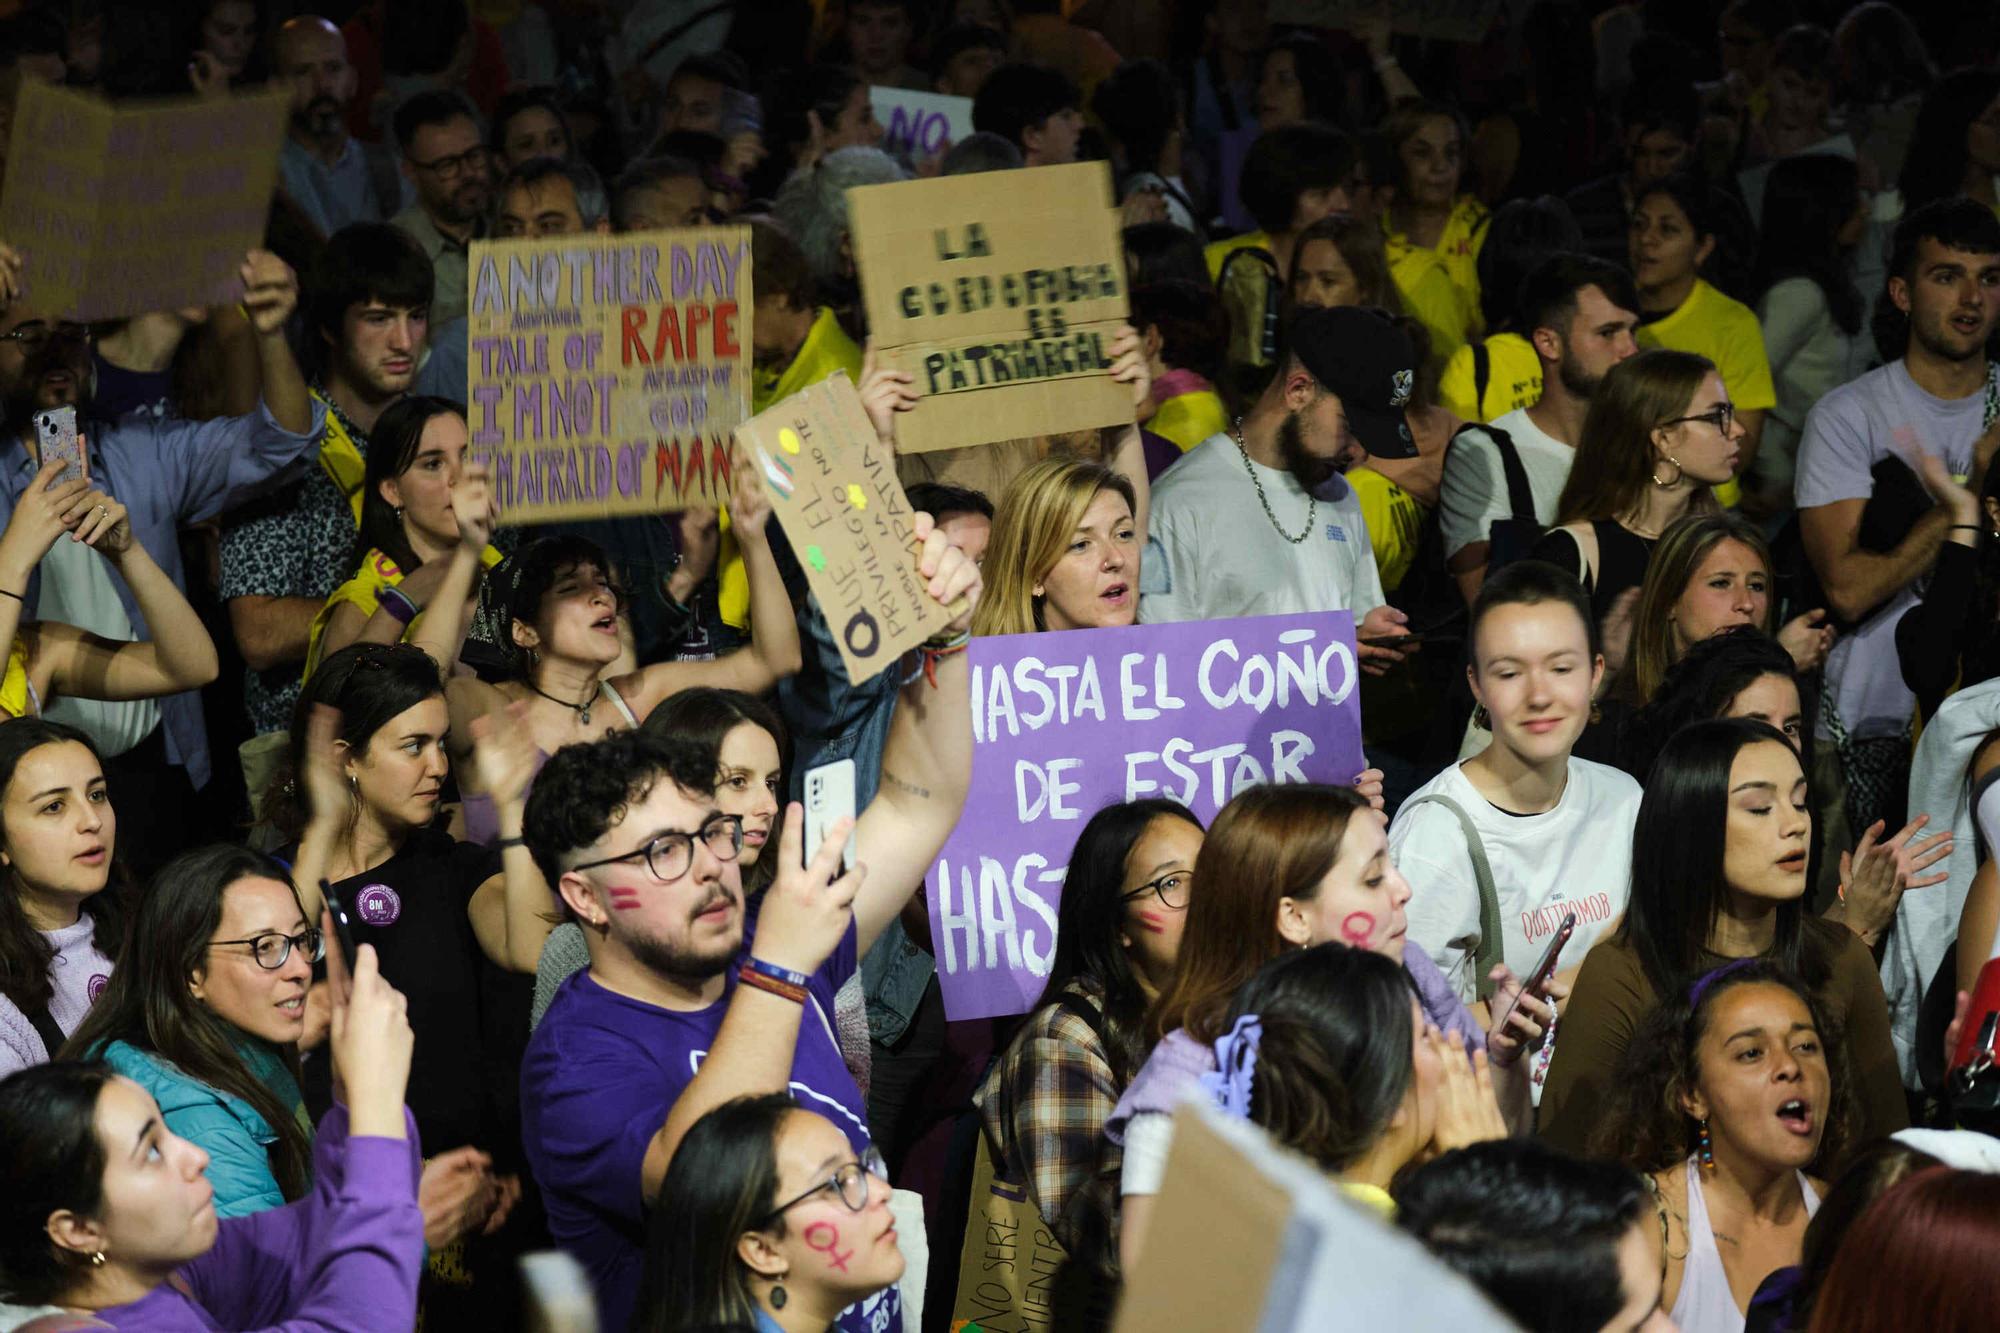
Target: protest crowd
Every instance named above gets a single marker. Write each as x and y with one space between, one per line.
546 782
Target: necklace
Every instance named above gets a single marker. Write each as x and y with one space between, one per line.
581 710
1312 501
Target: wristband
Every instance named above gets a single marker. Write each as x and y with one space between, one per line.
400 607
504 843
758 981
1956 527
776 973
9 592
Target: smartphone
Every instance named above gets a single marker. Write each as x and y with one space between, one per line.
343 927
1978 1037
56 432
558 1294
829 797
1544 969
1405 641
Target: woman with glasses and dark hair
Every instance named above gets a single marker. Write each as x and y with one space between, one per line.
1045 1102
207 1013
767 1220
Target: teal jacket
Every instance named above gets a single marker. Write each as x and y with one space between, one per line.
227 1128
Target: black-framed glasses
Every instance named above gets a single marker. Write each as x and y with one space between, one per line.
849 1181
1722 416
669 855
35 334
456 165
272 949
1171 889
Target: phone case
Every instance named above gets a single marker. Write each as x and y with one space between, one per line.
55 430
829 796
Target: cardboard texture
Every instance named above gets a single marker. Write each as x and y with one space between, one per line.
1248 1236
1065 724
920 124
607 372
1000 293
1447 20
118 211
834 490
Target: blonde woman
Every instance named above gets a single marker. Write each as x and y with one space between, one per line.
1710 573
1064 552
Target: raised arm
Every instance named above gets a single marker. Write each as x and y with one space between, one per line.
447 612
510 911
806 914
1128 367
927 759
179 655
774 651
34 526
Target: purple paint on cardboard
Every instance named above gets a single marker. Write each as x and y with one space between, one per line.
1067 723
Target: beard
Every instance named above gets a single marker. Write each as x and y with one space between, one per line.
320 118
680 960
1308 470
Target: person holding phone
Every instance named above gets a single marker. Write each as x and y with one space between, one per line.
109 1213
1502 848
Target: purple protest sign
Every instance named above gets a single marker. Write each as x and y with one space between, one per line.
1064 724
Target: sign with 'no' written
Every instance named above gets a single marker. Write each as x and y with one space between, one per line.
607 372
1066 723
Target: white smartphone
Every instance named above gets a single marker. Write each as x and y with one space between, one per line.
558 1293
829 796
55 431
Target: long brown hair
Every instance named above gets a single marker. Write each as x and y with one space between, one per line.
149 1005
1614 457
1358 241
1269 843
1683 546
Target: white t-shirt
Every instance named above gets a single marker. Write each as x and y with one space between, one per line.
1212 553
1574 858
1475 484
1883 414
77 590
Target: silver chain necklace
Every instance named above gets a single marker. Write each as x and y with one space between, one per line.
1312 501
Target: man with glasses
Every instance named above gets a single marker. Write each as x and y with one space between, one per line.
694 997
445 158
170 474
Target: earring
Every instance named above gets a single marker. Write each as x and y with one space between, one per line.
1705 1149
97 1259
1673 480
1596 715
1481 718
778 1297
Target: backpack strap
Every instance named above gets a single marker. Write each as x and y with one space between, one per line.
1267 341
1520 495
1482 372
45 1027
1488 952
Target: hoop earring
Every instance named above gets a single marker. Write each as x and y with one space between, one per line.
1675 480
1706 1149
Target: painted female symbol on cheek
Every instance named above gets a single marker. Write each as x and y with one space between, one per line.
1357 928
825 1237
622 899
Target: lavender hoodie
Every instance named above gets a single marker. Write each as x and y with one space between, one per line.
344 1259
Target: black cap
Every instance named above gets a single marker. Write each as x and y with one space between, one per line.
1360 356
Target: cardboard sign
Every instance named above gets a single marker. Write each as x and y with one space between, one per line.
834 490
1000 293
1446 20
1245 1235
918 124
607 372
1066 723
118 211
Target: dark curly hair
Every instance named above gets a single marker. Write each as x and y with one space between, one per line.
1647 1125
586 789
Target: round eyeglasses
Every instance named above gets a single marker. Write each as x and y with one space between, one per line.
1171 889
669 855
849 1181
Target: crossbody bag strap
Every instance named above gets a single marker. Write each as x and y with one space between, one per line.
45 1027
1520 495
1482 372
1488 952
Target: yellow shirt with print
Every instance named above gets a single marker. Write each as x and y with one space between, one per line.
1189 418
827 348
1395 521
1726 332
1440 286
1513 379
364 592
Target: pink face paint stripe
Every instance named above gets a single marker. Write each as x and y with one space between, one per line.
623 900
1153 923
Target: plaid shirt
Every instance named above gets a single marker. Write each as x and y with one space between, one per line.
1043 1106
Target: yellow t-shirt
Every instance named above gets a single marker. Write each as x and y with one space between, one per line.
363 591
1727 333
1189 418
1513 379
1440 287
14 686
1372 1197
827 348
1395 523
1217 251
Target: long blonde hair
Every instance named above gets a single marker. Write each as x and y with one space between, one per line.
1615 458
1031 527
1683 546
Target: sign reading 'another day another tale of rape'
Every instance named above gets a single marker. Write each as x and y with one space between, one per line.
118 210
1000 293
834 490
607 372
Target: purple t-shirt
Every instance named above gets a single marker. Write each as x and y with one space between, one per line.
600 1074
